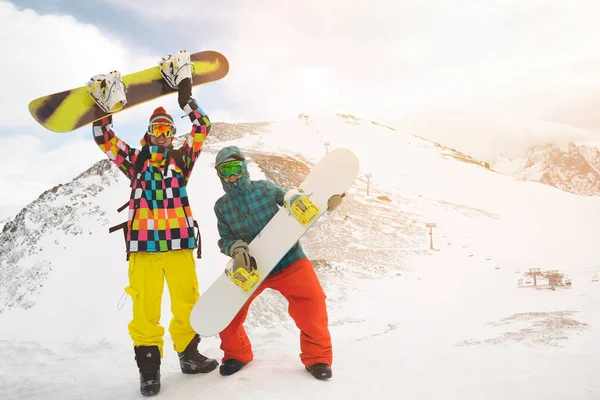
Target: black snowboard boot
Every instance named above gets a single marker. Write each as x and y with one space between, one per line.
230 367
192 362
148 361
320 370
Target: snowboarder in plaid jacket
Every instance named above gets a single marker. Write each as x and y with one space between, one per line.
160 234
242 212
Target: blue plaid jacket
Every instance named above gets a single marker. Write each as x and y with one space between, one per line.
246 208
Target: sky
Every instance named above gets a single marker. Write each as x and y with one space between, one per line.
380 59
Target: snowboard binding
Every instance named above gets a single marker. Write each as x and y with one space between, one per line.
300 206
108 91
242 278
176 67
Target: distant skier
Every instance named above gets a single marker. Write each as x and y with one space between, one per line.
242 212
160 235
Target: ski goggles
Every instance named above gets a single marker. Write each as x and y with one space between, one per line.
158 130
225 170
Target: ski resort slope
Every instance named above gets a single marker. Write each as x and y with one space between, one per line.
407 321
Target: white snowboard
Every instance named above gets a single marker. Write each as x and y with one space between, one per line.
220 303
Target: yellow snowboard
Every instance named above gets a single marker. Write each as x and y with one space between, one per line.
74 108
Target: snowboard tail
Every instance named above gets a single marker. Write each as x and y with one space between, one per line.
71 109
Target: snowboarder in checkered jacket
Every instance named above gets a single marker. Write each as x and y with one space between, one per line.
242 212
160 231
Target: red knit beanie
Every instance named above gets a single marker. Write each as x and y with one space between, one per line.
160 116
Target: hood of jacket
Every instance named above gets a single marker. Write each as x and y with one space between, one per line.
243 183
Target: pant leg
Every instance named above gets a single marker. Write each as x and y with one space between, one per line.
146 284
234 340
300 285
180 272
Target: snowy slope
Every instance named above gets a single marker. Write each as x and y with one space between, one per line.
444 323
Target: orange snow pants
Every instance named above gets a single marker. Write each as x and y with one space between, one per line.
299 284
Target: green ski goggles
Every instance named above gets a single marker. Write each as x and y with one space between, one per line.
225 170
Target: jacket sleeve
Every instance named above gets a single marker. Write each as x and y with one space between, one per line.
226 236
195 139
117 150
275 192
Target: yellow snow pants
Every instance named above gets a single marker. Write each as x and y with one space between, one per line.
147 273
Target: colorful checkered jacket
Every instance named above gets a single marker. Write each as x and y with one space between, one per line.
246 208
160 218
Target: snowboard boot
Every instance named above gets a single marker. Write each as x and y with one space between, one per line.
230 367
320 370
192 362
148 362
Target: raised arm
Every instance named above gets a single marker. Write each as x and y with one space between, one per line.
200 126
116 149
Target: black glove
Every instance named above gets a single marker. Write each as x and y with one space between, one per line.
184 92
241 256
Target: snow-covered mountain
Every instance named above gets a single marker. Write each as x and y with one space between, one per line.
411 315
85 207
572 168
513 142
485 133
59 213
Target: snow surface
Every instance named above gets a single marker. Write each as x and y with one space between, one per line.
407 322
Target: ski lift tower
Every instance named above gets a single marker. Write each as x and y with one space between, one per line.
430 225
534 273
